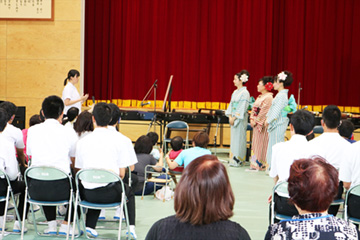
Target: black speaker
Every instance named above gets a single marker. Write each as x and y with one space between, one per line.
19 120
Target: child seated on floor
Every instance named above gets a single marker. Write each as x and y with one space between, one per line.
177 144
154 139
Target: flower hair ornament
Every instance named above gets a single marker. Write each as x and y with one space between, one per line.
269 86
282 76
244 78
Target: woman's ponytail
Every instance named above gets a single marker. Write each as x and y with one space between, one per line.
65 81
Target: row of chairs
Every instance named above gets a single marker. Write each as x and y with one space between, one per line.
50 174
281 189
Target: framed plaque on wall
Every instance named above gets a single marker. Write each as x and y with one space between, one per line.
27 10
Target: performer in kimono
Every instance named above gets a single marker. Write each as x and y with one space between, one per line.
277 120
238 117
257 121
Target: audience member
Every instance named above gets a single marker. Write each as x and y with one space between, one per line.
177 144
70 118
84 124
35 119
203 204
285 153
154 139
9 165
346 130
200 142
103 149
313 184
143 146
13 133
330 145
51 144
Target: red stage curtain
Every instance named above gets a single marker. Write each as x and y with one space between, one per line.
203 43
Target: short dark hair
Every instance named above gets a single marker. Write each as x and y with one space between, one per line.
177 143
3 119
10 109
288 80
143 145
53 107
201 139
71 73
115 113
102 114
84 123
35 119
266 79
154 137
346 129
313 184
204 193
331 116
244 71
303 122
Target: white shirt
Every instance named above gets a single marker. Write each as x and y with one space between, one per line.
155 153
8 162
105 149
330 146
14 135
51 144
285 153
70 92
350 166
131 155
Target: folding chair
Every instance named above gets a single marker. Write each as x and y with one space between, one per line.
46 173
281 190
104 177
9 193
174 174
175 125
151 175
355 190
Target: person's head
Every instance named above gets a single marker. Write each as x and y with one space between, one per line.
84 123
115 114
346 129
10 109
71 114
102 114
331 116
72 75
284 79
3 119
302 122
241 78
177 143
52 107
313 184
201 139
143 145
154 137
204 193
35 119
265 84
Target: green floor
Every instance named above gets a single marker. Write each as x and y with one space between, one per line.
251 209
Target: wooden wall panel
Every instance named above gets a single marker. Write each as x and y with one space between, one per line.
2 40
68 10
2 79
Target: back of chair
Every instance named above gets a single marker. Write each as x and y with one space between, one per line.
281 189
3 175
94 175
46 173
355 190
176 125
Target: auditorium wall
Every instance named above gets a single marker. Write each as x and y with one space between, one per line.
35 56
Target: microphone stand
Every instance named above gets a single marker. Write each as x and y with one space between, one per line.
299 91
154 119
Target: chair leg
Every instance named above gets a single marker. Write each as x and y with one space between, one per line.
142 196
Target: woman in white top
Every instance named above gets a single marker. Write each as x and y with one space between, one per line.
70 95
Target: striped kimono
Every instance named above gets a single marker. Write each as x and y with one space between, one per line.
238 108
260 135
278 121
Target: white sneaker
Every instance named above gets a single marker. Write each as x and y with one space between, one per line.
17 227
132 232
62 210
63 230
10 206
91 232
117 213
36 208
2 222
52 229
102 214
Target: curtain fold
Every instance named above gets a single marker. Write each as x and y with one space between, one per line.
203 43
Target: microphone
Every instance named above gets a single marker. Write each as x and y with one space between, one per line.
93 99
143 104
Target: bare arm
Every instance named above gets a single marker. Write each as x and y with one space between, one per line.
122 173
132 167
69 102
171 164
159 164
276 179
20 156
347 185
